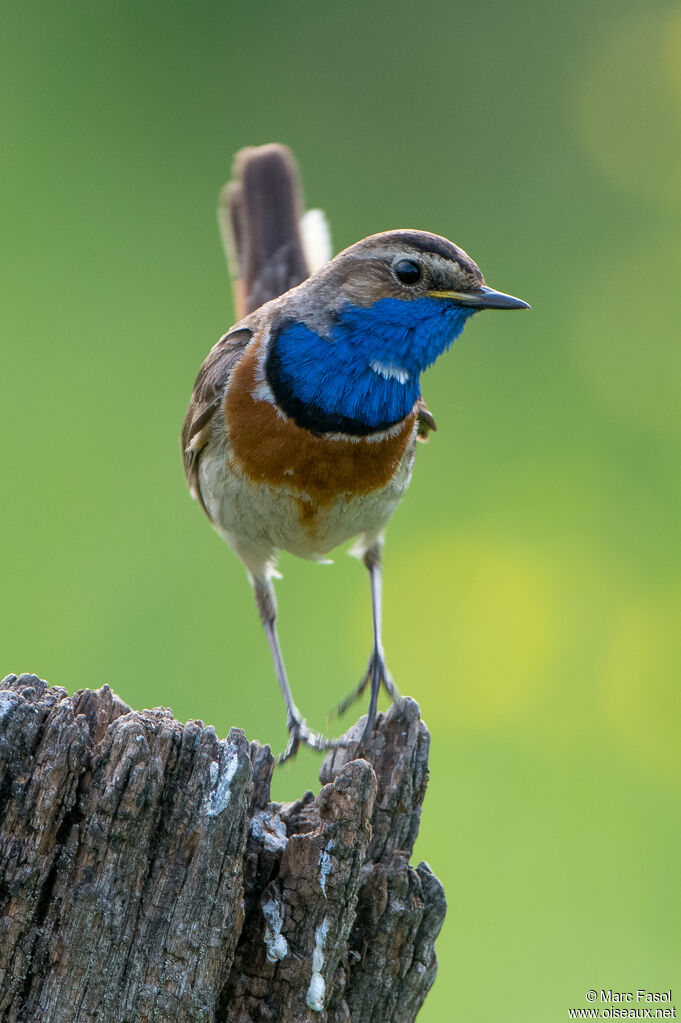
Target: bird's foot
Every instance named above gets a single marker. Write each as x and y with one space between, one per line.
377 666
300 734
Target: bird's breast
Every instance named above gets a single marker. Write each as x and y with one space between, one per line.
269 447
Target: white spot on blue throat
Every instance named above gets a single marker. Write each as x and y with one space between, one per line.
389 371
367 370
221 780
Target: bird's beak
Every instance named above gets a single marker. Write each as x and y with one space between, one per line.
482 298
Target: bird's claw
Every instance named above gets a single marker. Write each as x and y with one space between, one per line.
300 734
376 665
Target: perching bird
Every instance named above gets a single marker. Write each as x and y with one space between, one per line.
303 422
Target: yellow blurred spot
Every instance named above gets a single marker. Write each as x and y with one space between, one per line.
629 104
477 631
640 681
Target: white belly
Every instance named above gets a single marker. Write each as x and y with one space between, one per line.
258 520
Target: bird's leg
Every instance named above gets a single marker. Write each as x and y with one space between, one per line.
295 723
377 672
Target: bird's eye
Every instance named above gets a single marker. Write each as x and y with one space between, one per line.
408 271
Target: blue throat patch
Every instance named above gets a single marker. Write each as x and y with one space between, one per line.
366 375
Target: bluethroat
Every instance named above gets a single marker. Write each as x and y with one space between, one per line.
302 426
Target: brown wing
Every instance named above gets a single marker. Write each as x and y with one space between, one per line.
208 390
258 215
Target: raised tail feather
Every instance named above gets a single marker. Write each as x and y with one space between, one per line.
259 216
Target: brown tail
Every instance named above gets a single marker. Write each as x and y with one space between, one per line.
259 215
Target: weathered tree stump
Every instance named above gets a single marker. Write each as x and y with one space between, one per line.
145 876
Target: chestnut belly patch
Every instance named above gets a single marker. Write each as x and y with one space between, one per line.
273 449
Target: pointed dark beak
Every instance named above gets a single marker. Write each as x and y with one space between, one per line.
488 298
483 298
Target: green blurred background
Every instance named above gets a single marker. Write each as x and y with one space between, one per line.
532 575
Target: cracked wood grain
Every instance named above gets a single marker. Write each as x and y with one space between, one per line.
145 875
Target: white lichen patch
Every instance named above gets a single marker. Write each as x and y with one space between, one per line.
275 942
270 829
218 799
325 866
316 992
8 702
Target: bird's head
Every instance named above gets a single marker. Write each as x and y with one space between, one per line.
408 265
373 319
